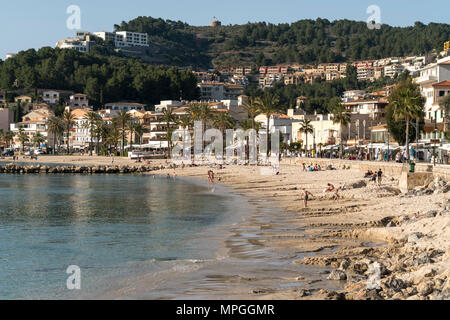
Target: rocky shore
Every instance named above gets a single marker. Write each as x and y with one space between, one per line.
93 169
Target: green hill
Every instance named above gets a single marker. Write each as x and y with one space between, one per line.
304 42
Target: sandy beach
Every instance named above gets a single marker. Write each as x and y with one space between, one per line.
372 242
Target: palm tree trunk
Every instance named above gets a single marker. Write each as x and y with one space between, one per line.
306 144
407 139
123 142
54 142
131 139
68 141
267 134
342 144
91 142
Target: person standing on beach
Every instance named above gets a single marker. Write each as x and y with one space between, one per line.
380 176
305 195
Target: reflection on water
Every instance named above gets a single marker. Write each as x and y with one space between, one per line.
100 223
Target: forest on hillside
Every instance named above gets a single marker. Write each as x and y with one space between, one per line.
304 41
103 78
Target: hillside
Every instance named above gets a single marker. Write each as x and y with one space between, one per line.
102 78
304 42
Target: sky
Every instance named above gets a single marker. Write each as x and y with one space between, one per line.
34 24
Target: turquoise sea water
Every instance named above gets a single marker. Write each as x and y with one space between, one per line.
111 226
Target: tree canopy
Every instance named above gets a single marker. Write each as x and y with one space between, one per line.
103 78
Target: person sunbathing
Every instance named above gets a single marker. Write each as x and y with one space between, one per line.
329 188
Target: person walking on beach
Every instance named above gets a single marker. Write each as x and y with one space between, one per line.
380 176
211 177
305 195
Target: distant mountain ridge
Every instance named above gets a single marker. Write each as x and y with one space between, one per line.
304 42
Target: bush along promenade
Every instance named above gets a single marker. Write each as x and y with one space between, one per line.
24 169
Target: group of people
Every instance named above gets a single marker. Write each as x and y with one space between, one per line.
376 177
316 167
306 195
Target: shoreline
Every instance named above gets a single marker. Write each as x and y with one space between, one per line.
365 229
406 235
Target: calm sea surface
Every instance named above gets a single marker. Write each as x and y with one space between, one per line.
111 226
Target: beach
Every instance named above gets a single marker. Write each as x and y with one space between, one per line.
373 242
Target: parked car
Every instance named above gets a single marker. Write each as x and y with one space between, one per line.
33 152
8 153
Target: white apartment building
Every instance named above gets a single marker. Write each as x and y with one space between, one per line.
375 109
75 44
280 122
50 96
167 104
217 91
434 80
133 39
125 106
33 123
78 100
430 75
80 133
392 70
352 95
326 132
117 39
366 73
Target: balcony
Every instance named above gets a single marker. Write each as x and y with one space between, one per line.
427 79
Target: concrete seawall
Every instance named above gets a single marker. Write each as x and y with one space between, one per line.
424 172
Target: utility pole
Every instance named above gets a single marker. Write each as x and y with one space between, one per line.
417 131
389 152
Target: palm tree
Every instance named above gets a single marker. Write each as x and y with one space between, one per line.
252 108
55 126
268 105
306 128
223 121
131 127
185 121
407 103
444 103
113 136
23 138
38 139
205 113
139 131
194 111
342 116
100 128
200 112
91 123
8 136
248 124
123 118
69 122
169 118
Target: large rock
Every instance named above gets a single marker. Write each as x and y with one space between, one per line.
414 237
425 288
337 275
359 184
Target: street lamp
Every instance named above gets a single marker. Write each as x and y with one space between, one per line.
435 138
